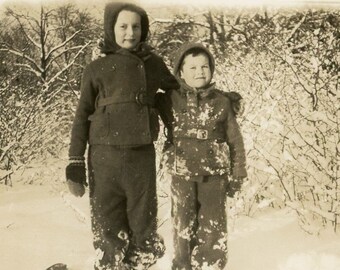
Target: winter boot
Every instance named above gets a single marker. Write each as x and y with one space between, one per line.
143 258
58 266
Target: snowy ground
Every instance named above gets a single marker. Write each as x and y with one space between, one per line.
43 224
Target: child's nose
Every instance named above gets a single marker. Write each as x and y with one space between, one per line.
199 71
129 31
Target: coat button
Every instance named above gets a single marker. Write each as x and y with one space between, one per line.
211 151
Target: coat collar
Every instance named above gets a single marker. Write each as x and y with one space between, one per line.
143 51
205 92
194 95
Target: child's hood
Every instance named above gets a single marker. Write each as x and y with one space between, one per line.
110 17
180 56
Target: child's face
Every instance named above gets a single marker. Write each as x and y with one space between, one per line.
128 29
196 70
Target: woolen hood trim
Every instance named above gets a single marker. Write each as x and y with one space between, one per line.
180 55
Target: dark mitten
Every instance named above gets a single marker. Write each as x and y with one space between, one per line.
76 189
76 176
237 103
234 186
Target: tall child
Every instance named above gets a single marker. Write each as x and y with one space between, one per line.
117 118
207 162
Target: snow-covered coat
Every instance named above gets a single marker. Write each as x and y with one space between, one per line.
116 105
205 136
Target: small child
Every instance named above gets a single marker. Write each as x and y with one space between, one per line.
207 161
116 116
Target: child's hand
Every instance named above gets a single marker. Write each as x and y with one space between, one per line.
167 145
234 186
76 176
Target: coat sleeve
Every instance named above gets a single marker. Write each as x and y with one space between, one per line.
236 144
86 107
168 81
164 107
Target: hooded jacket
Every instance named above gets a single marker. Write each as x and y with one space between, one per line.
202 126
116 105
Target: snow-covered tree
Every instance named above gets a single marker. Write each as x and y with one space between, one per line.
44 51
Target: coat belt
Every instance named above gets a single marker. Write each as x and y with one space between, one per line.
140 98
199 134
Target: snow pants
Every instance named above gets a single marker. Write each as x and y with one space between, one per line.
123 202
200 223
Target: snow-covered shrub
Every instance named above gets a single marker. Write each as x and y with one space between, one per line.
34 130
285 65
291 123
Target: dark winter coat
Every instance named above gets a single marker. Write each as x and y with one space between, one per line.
116 105
203 129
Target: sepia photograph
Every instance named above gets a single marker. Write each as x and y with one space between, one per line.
170 135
